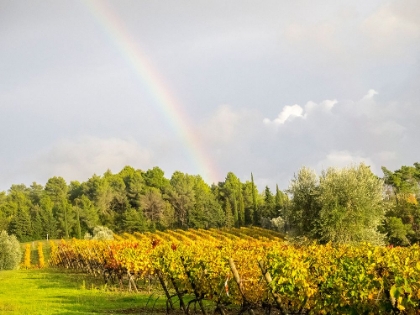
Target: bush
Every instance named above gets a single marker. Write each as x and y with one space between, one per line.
102 233
10 252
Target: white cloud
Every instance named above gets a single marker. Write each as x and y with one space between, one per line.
79 159
287 112
371 93
325 106
290 112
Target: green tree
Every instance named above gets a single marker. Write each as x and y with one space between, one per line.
36 192
248 198
269 207
36 223
155 178
134 185
56 188
280 201
75 191
241 206
206 212
17 198
4 217
229 219
134 221
402 201
20 225
255 210
49 223
342 205
88 213
78 227
351 205
153 205
98 190
305 208
66 218
397 232
10 252
181 195
232 192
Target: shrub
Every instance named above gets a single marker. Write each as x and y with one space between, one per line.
102 233
10 252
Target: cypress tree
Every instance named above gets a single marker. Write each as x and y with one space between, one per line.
49 223
279 202
235 211
257 215
229 217
269 204
36 223
78 227
241 207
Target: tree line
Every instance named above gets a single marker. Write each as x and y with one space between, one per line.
341 205
133 200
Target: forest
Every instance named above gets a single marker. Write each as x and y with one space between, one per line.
341 205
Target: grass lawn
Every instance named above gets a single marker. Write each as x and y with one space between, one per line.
50 291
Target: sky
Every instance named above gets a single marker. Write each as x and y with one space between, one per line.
207 87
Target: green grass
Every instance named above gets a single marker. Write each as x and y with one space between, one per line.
50 291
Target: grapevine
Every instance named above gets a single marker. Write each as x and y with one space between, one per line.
251 269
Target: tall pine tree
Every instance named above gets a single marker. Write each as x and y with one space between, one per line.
257 214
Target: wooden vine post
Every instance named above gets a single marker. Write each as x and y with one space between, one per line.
245 305
131 282
268 280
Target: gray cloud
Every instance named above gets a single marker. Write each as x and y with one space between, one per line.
268 87
79 159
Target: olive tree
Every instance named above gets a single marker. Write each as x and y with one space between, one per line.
341 205
351 201
10 252
302 216
100 233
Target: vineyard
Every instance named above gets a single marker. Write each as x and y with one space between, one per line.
253 270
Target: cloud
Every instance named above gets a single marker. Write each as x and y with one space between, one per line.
70 80
386 156
290 112
371 93
287 112
223 123
79 159
342 159
325 106
226 124
388 127
393 27
339 133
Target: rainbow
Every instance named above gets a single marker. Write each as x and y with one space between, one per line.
167 103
